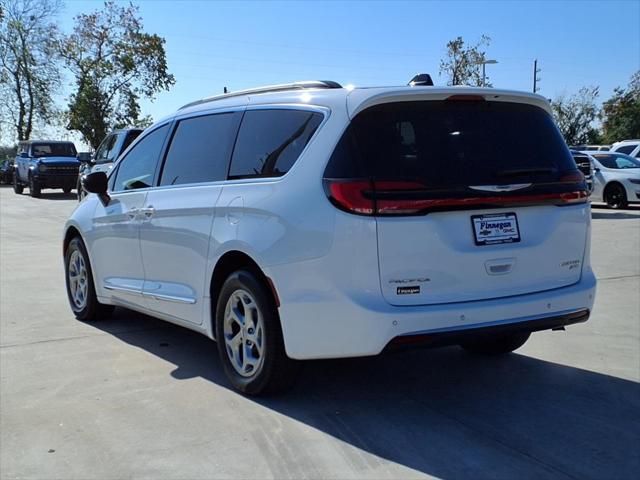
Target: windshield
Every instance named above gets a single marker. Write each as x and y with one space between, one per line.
53 150
617 160
461 143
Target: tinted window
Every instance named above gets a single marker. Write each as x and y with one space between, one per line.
53 150
105 146
270 141
626 148
137 169
200 149
452 144
131 136
618 161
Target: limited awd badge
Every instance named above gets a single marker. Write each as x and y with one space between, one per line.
408 290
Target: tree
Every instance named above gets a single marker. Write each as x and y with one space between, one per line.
576 114
621 113
115 63
463 64
29 71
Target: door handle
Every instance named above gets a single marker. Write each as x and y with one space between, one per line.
148 211
133 213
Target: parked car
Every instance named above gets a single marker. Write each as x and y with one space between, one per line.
310 221
45 164
6 172
108 151
629 147
584 162
616 179
590 148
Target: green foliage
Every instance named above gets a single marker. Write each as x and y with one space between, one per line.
29 73
463 64
115 64
621 113
576 114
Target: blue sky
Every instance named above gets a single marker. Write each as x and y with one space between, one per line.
243 44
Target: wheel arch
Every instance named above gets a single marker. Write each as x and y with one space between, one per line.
228 263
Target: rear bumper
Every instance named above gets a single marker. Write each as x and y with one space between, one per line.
336 326
457 336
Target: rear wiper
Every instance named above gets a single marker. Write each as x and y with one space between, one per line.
519 172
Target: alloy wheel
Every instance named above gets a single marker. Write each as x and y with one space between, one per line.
244 333
78 280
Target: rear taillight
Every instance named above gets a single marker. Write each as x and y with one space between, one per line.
367 197
352 196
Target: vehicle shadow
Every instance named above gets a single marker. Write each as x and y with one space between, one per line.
57 196
442 412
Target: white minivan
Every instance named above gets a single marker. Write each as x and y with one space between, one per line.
309 221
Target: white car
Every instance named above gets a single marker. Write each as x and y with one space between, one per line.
310 221
629 147
616 179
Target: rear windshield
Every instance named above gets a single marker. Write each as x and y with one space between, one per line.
53 150
452 144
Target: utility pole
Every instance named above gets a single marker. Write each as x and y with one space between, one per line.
536 71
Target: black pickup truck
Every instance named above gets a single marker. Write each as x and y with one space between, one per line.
45 164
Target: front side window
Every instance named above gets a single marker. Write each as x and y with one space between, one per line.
137 169
270 141
200 149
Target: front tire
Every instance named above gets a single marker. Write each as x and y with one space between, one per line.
615 196
499 345
80 288
18 188
34 188
249 336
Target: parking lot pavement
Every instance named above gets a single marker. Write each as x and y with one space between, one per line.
136 397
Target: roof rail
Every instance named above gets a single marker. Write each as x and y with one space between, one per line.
267 89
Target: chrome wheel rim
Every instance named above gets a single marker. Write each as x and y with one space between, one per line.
78 279
244 333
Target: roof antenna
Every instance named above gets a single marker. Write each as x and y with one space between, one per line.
421 80
225 90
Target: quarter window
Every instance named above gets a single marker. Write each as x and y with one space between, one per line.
200 149
626 149
137 169
270 141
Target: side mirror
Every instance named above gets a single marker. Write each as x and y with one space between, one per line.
596 169
24 155
84 157
97 183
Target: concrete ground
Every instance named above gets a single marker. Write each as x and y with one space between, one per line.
136 397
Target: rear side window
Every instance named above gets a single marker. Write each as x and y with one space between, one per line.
137 169
626 149
131 136
200 149
270 141
452 144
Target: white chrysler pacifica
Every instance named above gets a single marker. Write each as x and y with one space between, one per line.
309 221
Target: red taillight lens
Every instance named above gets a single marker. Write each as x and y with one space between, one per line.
351 195
386 197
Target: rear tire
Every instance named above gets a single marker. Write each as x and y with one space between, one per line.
249 337
615 196
80 288
34 188
18 188
499 345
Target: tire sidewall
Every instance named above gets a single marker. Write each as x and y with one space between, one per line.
246 280
17 187
34 188
623 193
89 309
